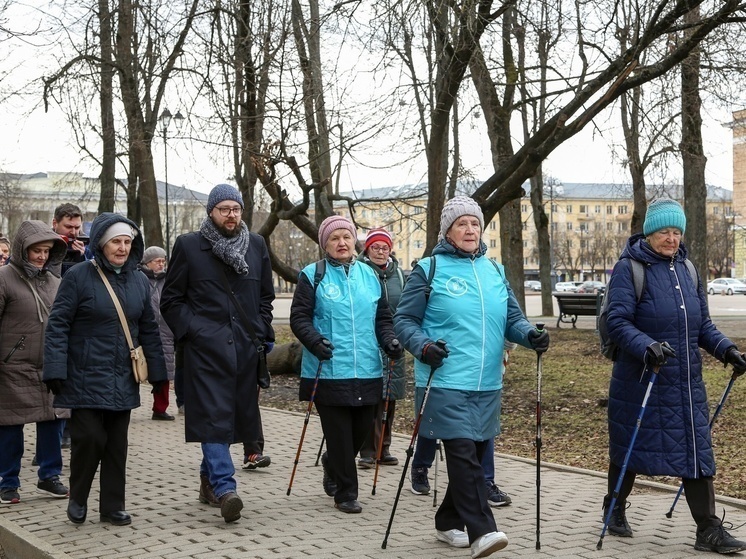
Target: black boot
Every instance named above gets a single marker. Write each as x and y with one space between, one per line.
618 525
716 539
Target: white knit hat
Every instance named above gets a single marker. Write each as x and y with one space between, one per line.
115 230
454 209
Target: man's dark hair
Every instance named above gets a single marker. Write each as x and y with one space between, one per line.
66 210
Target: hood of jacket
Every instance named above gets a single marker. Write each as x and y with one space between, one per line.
388 271
100 225
638 249
29 233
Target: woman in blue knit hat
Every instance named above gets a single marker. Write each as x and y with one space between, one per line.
664 328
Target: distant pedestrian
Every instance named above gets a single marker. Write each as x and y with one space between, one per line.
341 323
153 265
471 307
28 285
377 254
88 366
664 328
4 250
216 277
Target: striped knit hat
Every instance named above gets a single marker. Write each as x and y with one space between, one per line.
378 234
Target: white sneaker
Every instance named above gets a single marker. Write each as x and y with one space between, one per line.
488 544
454 538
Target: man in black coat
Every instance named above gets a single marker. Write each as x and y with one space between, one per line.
220 354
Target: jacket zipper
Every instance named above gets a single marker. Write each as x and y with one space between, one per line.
481 302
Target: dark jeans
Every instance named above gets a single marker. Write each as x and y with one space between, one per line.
345 429
99 437
48 452
700 495
465 501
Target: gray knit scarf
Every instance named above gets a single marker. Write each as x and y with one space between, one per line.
231 250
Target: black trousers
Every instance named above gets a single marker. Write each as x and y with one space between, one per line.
700 495
99 437
465 502
345 429
370 447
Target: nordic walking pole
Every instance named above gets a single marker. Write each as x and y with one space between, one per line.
321 450
384 417
618 486
410 450
539 354
438 454
305 421
712 421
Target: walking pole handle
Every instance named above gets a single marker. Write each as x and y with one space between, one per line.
540 326
442 345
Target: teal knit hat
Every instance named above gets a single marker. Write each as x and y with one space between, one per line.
662 214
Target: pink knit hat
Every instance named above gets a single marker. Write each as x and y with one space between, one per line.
331 224
378 234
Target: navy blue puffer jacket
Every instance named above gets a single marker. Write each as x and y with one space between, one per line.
674 437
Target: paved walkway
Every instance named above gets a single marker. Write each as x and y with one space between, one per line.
169 522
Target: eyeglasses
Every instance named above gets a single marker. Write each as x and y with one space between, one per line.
379 248
225 212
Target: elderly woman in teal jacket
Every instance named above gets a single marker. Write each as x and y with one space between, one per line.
469 305
341 317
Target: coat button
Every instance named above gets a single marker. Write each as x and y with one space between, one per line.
230 341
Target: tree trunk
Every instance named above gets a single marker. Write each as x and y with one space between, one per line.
692 154
108 134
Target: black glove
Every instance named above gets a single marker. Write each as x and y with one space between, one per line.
433 354
54 385
539 340
323 350
656 354
735 358
394 349
158 386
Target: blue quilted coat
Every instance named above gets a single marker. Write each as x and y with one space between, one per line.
674 437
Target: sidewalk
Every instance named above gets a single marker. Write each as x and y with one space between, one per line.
169 522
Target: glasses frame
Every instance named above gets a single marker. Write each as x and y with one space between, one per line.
383 250
225 212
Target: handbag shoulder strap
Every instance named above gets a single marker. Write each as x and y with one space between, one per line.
117 304
241 312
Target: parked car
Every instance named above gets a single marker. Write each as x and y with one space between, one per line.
729 286
567 286
532 285
592 287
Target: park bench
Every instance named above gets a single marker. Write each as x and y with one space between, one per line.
573 305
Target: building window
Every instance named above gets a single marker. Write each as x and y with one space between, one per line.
493 225
525 244
568 208
418 210
525 261
598 209
418 244
554 226
609 210
493 243
569 243
716 210
621 210
554 208
583 243
609 226
524 208
569 226
400 245
598 226
525 225
622 226
584 227
583 209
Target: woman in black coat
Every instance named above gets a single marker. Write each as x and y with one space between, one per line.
87 362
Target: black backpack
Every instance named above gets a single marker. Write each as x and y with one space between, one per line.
608 348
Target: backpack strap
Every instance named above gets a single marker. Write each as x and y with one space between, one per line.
401 276
430 276
692 272
319 273
638 278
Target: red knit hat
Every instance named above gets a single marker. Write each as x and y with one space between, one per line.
380 235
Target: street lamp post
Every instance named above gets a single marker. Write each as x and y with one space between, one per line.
165 121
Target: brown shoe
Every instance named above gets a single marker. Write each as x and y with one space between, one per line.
230 506
206 494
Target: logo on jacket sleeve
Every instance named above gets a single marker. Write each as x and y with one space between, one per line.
457 287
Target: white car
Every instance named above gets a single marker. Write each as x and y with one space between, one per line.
729 286
566 286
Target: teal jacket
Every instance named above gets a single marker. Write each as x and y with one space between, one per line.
472 308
